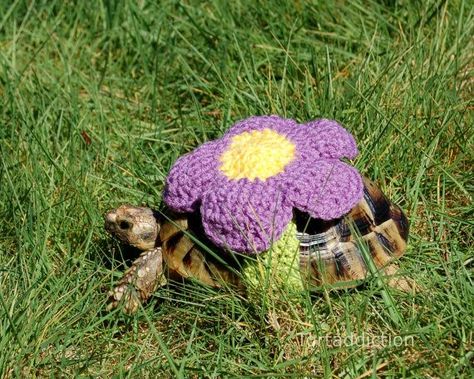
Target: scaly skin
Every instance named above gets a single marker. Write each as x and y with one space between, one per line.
139 282
134 226
138 227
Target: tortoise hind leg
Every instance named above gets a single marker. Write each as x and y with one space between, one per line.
139 282
398 282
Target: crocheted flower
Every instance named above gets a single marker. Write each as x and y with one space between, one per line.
247 183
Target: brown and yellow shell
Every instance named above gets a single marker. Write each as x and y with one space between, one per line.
342 252
184 257
337 253
331 252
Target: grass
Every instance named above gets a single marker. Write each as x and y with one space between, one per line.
98 99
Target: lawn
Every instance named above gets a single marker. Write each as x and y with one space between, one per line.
99 98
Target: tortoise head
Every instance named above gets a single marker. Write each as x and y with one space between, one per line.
135 226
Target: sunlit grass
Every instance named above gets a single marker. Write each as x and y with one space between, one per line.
98 99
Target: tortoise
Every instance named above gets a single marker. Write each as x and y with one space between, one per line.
332 253
169 252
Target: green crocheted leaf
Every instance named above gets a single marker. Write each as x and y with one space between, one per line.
278 267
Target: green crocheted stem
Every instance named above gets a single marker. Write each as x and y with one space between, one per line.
278 267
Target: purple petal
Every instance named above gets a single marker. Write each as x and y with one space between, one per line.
191 176
276 123
327 190
318 139
328 139
245 216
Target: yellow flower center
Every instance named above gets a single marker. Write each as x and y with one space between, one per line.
257 154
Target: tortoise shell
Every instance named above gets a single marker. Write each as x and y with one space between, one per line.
184 257
330 251
335 251
339 252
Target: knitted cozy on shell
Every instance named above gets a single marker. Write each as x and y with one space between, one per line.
247 183
277 268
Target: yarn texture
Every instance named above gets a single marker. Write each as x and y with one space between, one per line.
257 154
247 183
276 268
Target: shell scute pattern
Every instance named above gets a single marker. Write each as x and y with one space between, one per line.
332 252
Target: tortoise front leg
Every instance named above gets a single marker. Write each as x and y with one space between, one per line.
139 282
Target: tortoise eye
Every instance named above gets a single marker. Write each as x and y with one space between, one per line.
124 225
